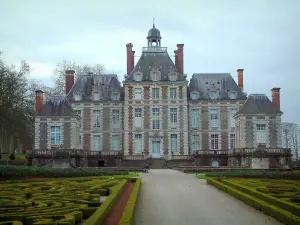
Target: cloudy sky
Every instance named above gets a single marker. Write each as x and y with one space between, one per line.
260 36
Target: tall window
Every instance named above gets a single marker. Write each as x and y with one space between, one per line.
116 116
78 112
173 93
195 113
194 95
96 143
96 118
155 93
138 117
232 141
214 141
155 75
231 118
174 146
214 94
173 115
155 119
214 118
195 142
116 143
55 135
115 96
138 93
261 134
138 143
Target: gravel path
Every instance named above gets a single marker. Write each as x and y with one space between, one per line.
169 197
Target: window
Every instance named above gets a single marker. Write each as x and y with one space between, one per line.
138 143
232 95
96 143
55 135
195 118
155 93
194 95
78 112
138 93
155 75
115 96
138 117
96 95
96 118
214 95
137 76
214 141
77 97
116 143
214 118
195 142
173 93
174 146
173 76
261 134
155 119
232 141
116 116
173 115
231 118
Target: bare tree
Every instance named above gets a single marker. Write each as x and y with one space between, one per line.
291 138
59 73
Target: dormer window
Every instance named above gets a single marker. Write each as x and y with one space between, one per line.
194 95
214 94
115 96
173 76
155 75
96 95
137 76
77 96
232 95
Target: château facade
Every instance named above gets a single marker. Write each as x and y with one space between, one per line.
157 112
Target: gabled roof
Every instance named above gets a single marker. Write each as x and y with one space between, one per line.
57 106
258 104
222 82
105 83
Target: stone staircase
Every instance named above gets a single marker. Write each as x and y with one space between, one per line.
157 163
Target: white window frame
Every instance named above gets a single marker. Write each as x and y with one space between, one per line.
232 95
139 138
155 93
55 135
173 115
96 95
261 134
155 118
195 142
214 141
214 118
77 97
174 142
137 76
195 122
138 117
173 76
155 75
214 94
138 93
115 116
114 146
79 113
96 118
194 95
173 93
96 144
231 141
115 96
231 119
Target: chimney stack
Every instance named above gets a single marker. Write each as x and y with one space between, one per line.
39 100
70 74
179 58
276 96
241 78
130 58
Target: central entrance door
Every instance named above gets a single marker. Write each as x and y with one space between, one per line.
155 149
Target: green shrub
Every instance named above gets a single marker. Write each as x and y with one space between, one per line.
128 214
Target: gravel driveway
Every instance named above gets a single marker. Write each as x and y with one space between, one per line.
169 197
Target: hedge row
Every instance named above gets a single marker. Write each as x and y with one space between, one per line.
128 214
272 210
101 213
7 172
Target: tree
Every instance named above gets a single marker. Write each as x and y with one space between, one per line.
291 138
59 73
16 111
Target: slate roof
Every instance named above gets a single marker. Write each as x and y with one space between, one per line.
57 106
105 83
222 82
258 104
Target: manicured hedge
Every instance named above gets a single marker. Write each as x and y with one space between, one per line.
8 172
101 213
128 214
280 214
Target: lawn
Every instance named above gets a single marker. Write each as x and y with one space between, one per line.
57 201
5 157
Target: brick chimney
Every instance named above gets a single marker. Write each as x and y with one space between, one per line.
276 96
130 58
70 74
241 78
179 58
39 101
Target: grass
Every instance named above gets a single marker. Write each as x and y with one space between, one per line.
5 157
